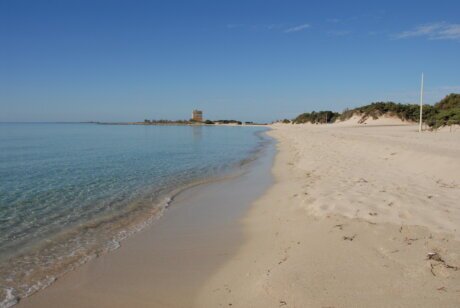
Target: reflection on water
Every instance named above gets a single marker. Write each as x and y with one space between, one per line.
197 133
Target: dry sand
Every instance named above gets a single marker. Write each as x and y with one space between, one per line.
360 120
358 217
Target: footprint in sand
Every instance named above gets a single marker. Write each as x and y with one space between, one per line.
349 238
282 260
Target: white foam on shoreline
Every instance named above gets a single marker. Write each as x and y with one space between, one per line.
9 300
12 298
80 256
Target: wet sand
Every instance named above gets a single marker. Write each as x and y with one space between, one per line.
166 264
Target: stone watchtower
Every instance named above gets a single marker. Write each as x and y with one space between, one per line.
197 115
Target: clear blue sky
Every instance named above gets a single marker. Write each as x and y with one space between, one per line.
250 60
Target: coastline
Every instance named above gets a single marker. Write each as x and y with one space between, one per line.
196 235
107 200
357 217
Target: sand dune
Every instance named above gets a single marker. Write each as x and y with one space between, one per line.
358 217
357 120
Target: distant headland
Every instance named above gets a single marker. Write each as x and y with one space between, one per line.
196 119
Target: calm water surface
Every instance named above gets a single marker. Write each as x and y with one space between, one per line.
69 192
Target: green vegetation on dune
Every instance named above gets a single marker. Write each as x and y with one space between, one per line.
445 112
320 117
445 117
406 112
451 101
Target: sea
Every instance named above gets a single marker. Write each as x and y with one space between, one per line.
71 192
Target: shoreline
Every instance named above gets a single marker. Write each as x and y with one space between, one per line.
355 218
125 231
154 260
47 259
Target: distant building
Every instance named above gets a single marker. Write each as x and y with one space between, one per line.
197 115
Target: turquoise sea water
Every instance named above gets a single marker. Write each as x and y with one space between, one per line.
69 192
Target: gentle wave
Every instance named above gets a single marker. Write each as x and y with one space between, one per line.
41 263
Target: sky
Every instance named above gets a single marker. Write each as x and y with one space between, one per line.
251 60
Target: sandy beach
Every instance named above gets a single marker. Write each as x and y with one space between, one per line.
363 216
357 216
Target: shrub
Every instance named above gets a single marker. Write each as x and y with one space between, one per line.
450 101
445 112
317 117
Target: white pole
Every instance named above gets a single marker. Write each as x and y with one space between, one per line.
421 106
